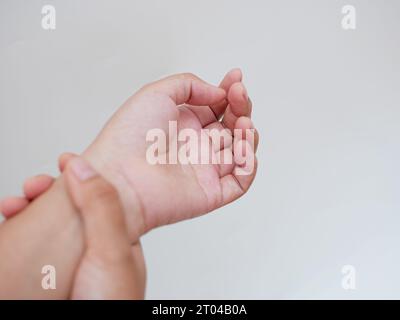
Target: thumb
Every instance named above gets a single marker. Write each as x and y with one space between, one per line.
102 214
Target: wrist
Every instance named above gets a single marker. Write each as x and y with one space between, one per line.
130 200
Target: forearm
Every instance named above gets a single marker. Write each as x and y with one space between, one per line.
48 232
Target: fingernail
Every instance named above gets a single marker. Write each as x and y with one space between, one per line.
82 170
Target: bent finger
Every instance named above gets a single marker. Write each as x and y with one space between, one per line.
11 206
35 186
233 76
187 88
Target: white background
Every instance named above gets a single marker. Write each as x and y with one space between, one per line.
326 102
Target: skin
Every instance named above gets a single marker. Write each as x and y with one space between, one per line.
52 222
109 269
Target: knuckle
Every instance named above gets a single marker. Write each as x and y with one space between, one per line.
187 75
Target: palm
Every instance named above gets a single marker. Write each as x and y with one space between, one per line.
172 192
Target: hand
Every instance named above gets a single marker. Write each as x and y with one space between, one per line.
110 268
33 188
173 192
